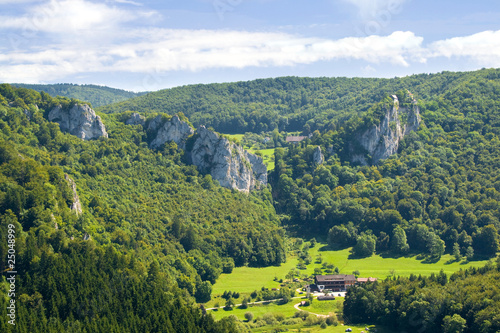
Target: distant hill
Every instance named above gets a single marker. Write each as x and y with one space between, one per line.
94 94
288 103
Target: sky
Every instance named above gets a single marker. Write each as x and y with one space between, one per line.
150 45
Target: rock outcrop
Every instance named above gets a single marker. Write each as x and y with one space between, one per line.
79 120
169 130
136 119
318 157
228 163
76 206
382 140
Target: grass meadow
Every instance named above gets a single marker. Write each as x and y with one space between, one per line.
248 279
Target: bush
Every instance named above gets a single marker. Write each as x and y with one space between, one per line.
301 314
269 319
259 323
248 316
311 320
279 316
332 320
292 321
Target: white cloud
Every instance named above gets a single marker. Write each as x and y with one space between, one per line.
3 2
483 48
163 50
129 2
68 17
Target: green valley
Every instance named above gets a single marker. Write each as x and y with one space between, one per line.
142 215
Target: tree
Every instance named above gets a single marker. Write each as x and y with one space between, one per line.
203 292
229 303
339 235
469 253
248 316
365 246
456 252
244 304
435 246
398 243
228 265
486 241
455 324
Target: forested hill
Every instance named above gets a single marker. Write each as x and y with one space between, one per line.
291 103
93 94
438 193
152 236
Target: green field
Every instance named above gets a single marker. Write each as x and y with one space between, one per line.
248 279
258 310
238 137
267 156
319 307
326 307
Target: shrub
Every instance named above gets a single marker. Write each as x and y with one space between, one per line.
332 320
292 321
269 319
279 316
248 316
312 320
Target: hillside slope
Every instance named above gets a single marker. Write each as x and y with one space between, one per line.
93 94
287 103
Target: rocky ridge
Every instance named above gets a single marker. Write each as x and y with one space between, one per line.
382 141
174 130
76 206
79 120
228 163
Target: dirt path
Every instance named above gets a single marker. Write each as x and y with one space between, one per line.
297 306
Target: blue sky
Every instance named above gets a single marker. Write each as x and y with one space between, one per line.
149 45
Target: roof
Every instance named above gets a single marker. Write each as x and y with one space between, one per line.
295 138
325 298
364 280
341 277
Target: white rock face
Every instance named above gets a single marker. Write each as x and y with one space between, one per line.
136 119
318 157
227 162
382 141
80 120
76 206
173 130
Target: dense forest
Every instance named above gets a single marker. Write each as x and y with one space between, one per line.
439 193
154 230
93 94
293 103
467 301
146 211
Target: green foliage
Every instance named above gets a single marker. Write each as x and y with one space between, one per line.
96 95
442 188
248 316
432 304
365 245
136 202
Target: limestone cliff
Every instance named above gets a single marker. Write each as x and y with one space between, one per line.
169 130
79 120
136 119
225 161
382 140
318 157
76 206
